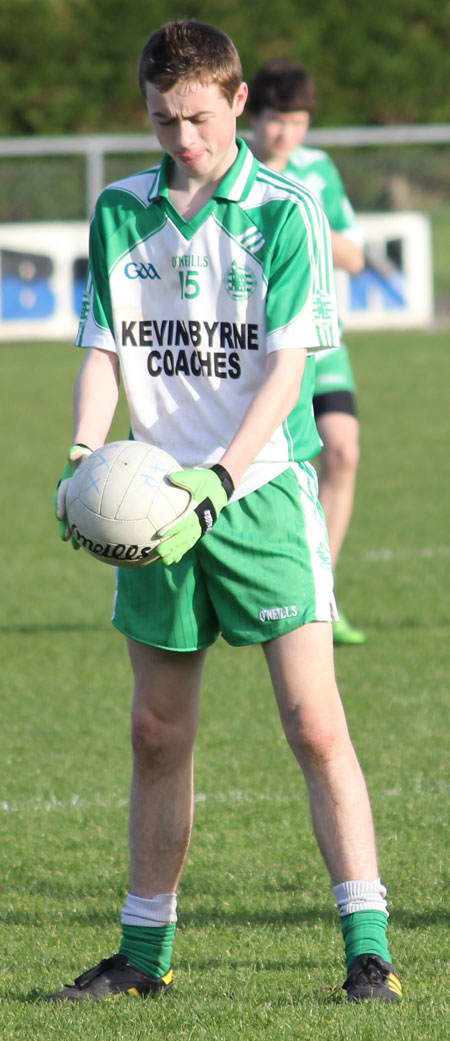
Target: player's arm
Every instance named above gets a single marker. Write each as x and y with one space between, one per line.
347 253
212 487
272 403
95 399
346 240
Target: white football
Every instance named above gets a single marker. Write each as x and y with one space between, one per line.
119 498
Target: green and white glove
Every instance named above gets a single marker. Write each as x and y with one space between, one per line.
210 491
76 455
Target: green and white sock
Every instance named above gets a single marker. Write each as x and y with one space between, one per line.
364 917
148 932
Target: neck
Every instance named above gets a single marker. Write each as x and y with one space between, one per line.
273 162
276 164
189 200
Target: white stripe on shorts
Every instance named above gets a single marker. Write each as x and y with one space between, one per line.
317 537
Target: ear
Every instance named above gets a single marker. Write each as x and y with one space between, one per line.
240 99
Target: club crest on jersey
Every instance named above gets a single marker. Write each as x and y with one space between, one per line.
323 554
133 270
240 282
322 308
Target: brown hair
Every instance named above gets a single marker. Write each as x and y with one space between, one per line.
282 86
189 50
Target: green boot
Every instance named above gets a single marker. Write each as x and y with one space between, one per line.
344 633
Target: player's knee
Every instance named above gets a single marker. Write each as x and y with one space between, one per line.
157 742
342 457
313 738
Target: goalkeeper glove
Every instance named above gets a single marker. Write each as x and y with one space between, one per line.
210 490
77 454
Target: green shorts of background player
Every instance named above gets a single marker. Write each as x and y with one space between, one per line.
250 562
282 101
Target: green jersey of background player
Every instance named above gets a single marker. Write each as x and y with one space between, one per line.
210 283
281 103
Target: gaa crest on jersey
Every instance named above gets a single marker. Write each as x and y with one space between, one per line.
140 270
322 308
240 282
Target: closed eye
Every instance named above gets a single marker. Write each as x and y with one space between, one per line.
201 117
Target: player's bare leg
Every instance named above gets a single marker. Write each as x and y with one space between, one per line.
164 725
311 711
338 465
302 670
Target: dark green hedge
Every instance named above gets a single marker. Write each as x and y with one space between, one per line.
69 66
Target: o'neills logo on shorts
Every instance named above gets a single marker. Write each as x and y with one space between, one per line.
275 614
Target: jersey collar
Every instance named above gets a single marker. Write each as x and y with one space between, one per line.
235 186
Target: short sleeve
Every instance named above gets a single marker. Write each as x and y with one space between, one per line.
301 297
96 325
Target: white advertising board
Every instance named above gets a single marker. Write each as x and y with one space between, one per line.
43 268
42 273
395 289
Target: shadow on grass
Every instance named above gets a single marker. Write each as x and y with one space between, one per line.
311 916
320 995
190 920
266 965
262 967
222 919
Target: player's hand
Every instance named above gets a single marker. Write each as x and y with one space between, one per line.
210 490
77 454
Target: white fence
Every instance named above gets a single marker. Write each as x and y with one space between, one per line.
43 265
95 147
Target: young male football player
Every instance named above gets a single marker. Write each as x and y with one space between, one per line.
205 277
282 100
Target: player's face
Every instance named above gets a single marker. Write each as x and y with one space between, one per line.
278 134
196 125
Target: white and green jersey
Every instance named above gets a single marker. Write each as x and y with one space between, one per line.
193 307
315 170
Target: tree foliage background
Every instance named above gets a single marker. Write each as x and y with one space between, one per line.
70 66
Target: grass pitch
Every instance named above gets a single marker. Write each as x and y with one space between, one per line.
258 942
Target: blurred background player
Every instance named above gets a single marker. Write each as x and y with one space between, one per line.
282 100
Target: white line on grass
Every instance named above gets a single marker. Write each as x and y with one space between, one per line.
233 797
379 556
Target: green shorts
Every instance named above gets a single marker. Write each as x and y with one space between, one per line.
262 571
334 372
